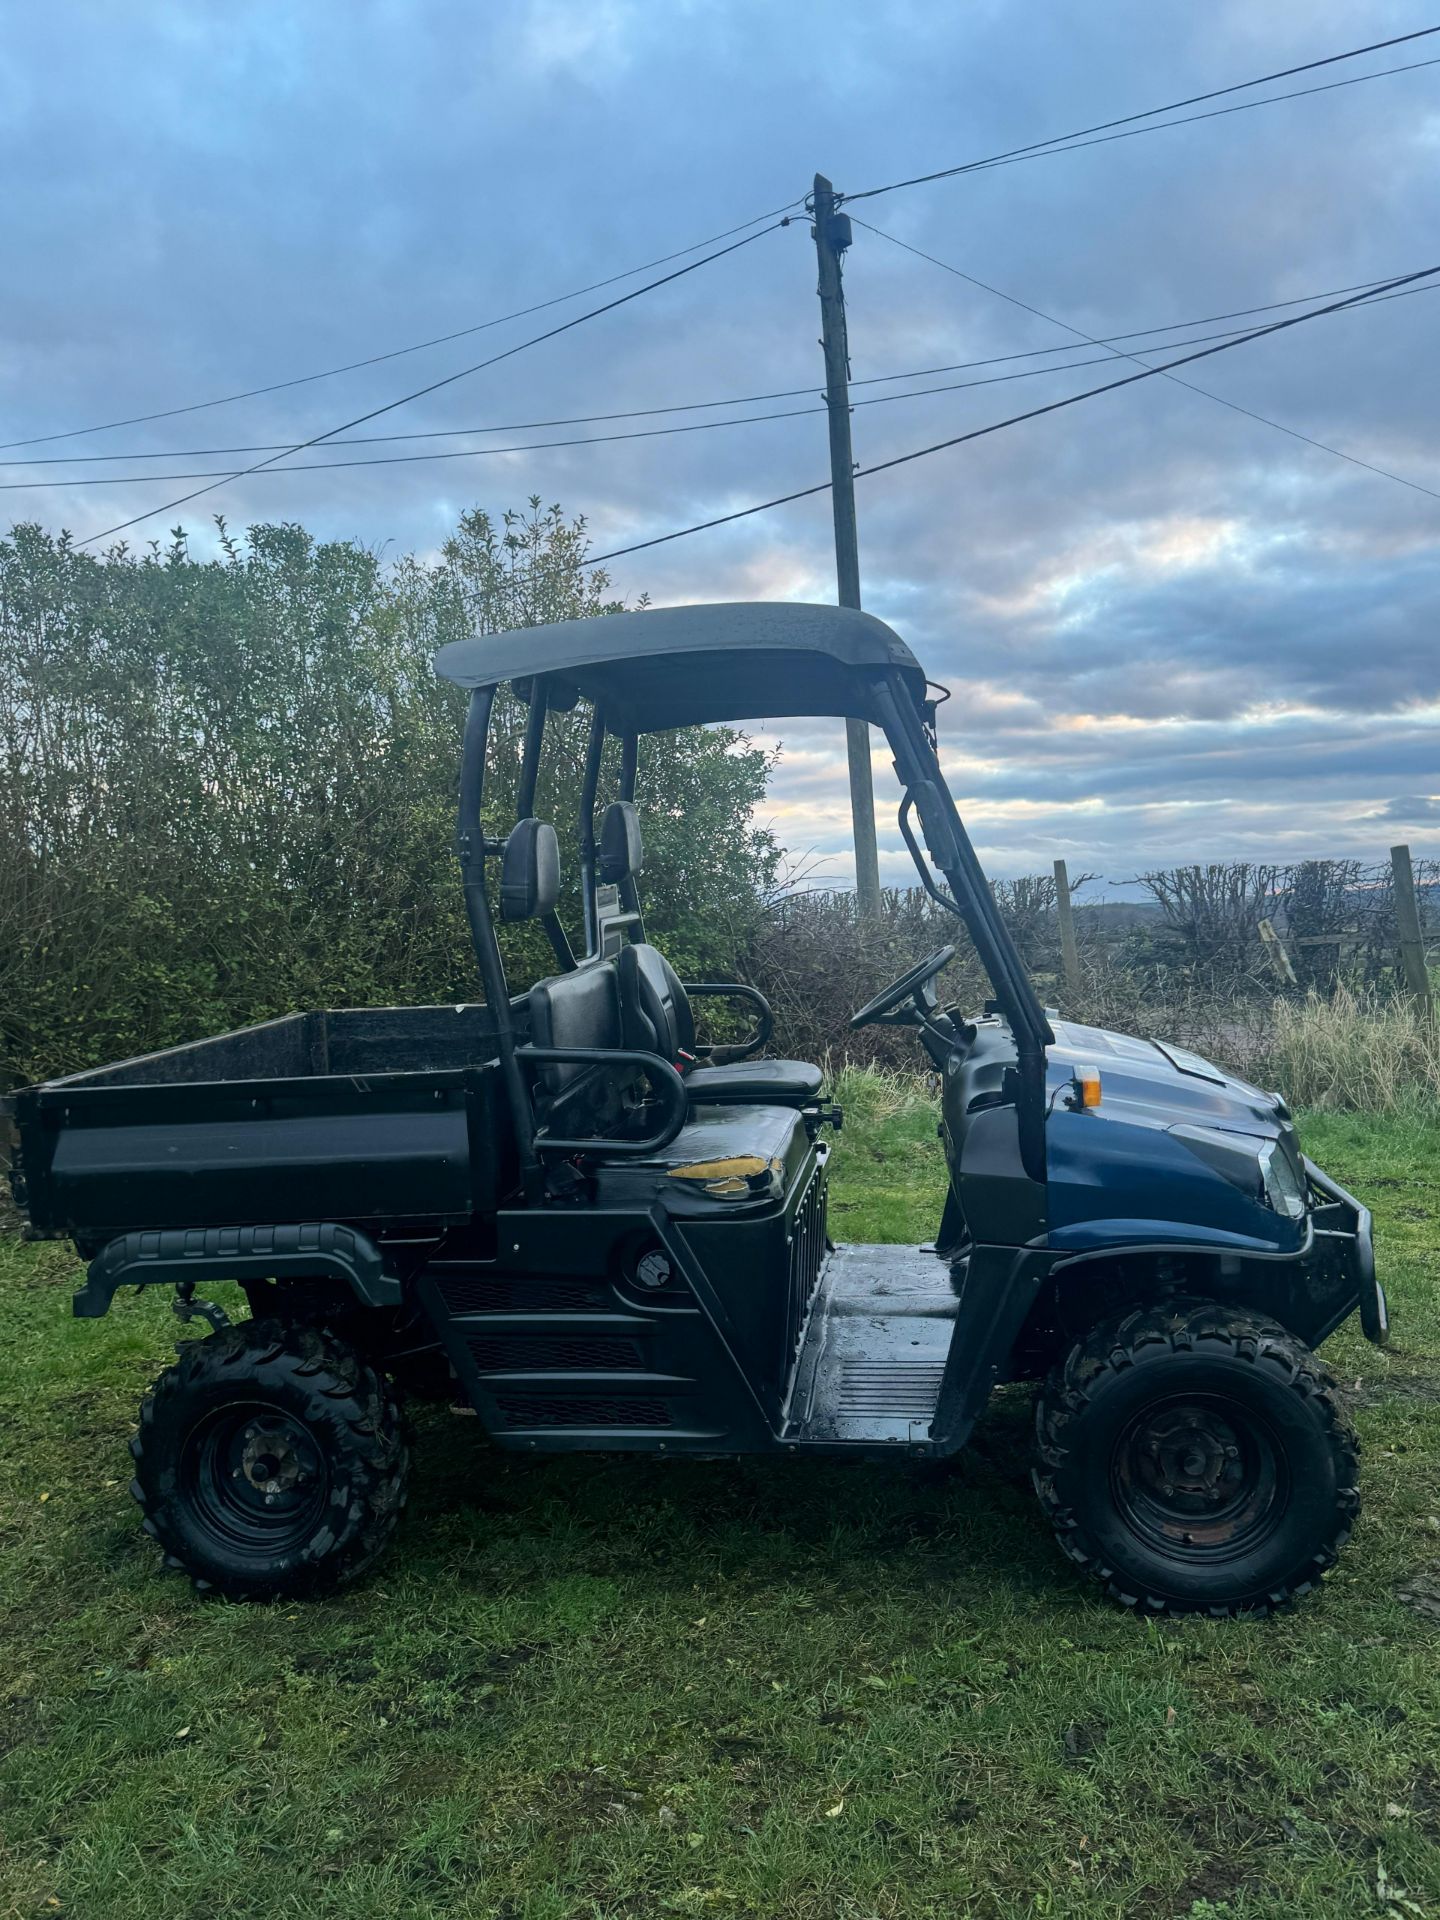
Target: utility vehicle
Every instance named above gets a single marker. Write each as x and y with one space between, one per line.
558 1209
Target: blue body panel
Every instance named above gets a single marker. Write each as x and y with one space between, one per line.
1120 1176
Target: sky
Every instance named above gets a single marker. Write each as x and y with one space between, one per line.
1172 632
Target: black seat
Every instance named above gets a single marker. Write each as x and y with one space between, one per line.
657 1012
580 1009
583 1009
769 1083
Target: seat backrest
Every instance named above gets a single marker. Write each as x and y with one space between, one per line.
622 852
580 1009
654 1005
564 1011
529 871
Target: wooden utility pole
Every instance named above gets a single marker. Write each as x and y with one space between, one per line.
1069 951
1407 928
832 236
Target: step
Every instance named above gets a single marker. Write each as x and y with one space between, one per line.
875 1347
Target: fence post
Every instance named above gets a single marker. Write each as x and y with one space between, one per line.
1275 948
1069 952
1407 928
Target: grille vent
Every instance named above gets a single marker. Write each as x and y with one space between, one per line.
807 1253
554 1353
530 1410
484 1293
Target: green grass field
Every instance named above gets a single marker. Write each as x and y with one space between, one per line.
611 1687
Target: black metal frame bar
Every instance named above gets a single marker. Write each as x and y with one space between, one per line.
736 990
536 717
594 757
906 725
471 848
629 772
918 764
661 1076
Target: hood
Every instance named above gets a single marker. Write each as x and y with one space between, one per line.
1173 1154
1155 1082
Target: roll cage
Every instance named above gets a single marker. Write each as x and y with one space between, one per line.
685 666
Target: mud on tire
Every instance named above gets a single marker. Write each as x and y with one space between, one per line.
269 1462
1194 1458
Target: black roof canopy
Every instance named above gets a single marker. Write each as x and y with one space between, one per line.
682 666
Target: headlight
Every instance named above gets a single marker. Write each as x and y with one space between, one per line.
1284 1188
1261 1168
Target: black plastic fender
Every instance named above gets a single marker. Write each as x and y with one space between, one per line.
998 1287
181 1254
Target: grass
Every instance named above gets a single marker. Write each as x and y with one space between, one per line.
1358 1050
612 1688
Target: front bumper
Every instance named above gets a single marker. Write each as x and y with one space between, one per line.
1343 1227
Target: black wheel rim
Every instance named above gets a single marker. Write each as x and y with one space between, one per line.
1199 1477
257 1480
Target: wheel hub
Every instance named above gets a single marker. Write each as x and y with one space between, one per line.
257 1477
1189 1456
1198 1477
270 1461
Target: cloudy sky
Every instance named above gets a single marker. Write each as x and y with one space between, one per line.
1172 632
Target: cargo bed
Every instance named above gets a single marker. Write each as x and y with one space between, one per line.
391 1113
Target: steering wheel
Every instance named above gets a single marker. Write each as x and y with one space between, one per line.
904 988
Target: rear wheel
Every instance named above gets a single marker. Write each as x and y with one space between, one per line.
1195 1459
269 1462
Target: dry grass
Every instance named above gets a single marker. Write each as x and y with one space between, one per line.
1350 1051
1356 1052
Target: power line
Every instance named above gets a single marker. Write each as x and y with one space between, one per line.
790 413
733 400
1015 419
1158 346
1212 113
1172 326
702 426
1145 373
1123 354
650 433
536 446
461 453
434 385
397 353
544 446
1060 141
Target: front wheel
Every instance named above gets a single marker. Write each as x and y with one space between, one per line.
1195 1459
269 1462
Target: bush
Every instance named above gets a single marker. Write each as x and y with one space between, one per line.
816 958
227 787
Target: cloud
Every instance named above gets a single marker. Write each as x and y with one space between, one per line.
1172 632
1409 808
